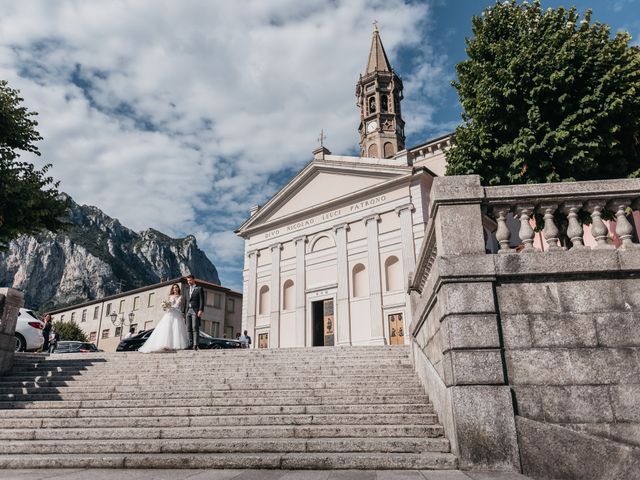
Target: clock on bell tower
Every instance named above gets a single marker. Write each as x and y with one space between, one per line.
379 92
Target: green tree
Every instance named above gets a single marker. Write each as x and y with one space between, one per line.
29 199
546 97
69 331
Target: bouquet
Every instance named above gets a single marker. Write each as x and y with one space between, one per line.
166 305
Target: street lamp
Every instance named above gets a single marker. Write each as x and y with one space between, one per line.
120 322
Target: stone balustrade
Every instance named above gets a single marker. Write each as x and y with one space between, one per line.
531 355
562 206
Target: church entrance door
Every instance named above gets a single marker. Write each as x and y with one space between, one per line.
396 329
323 323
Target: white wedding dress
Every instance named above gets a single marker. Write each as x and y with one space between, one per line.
171 331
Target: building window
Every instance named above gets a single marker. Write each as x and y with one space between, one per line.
360 281
134 326
105 333
228 332
373 151
372 104
136 303
217 300
384 103
215 329
84 315
388 150
231 305
321 243
288 295
121 307
263 306
73 316
208 299
393 273
108 310
92 336
152 300
62 317
118 331
96 313
148 325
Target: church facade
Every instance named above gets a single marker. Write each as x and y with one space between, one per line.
327 259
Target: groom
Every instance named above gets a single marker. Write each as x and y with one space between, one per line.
195 306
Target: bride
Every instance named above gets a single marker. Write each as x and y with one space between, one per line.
171 332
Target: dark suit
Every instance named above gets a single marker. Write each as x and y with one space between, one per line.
195 303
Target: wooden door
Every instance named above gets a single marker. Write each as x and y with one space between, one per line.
329 323
396 329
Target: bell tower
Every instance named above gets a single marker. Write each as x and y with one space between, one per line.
379 92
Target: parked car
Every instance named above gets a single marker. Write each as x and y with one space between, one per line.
28 331
206 342
68 346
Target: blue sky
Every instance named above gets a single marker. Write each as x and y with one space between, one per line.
182 115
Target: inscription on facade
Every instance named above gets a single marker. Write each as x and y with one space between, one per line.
326 216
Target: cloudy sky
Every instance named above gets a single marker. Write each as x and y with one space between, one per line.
180 115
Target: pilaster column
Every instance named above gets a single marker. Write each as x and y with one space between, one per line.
343 317
301 282
250 323
274 341
375 286
408 245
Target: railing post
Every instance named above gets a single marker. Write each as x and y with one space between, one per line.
11 301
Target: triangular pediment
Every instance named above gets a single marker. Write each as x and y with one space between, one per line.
322 183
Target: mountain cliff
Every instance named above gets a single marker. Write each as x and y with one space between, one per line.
95 257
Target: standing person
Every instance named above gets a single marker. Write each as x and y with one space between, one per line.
46 331
53 341
132 331
195 307
248 339
171 332
244 340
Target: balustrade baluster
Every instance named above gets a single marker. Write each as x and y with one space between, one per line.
598 229
624 229
575 231
526 233
550 230
502 233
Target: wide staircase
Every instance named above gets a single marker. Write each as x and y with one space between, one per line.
299 408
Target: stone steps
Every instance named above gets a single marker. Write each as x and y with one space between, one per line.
271 445
320 408
117 410
288 461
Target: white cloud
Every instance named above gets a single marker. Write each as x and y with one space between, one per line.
180 115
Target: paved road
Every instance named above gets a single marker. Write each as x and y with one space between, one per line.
104 474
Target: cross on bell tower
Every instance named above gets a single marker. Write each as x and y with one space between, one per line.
379 92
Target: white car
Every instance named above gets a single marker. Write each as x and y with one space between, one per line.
28 331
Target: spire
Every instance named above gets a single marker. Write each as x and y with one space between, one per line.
378 61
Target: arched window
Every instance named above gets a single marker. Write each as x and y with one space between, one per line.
373 151
384 103
263 305
388 150
360 281
288 295
372 104
393 273
321 243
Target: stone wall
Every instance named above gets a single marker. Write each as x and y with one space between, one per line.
10 303
545 344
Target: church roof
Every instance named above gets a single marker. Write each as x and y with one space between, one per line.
378 61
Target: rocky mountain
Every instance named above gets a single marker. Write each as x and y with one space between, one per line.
94 257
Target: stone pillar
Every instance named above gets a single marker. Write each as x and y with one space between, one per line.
481 408
250 325
274 341
375 285
11 301
301 285
408 245
343 317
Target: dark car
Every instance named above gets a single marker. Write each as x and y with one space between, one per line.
76 347
206 342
